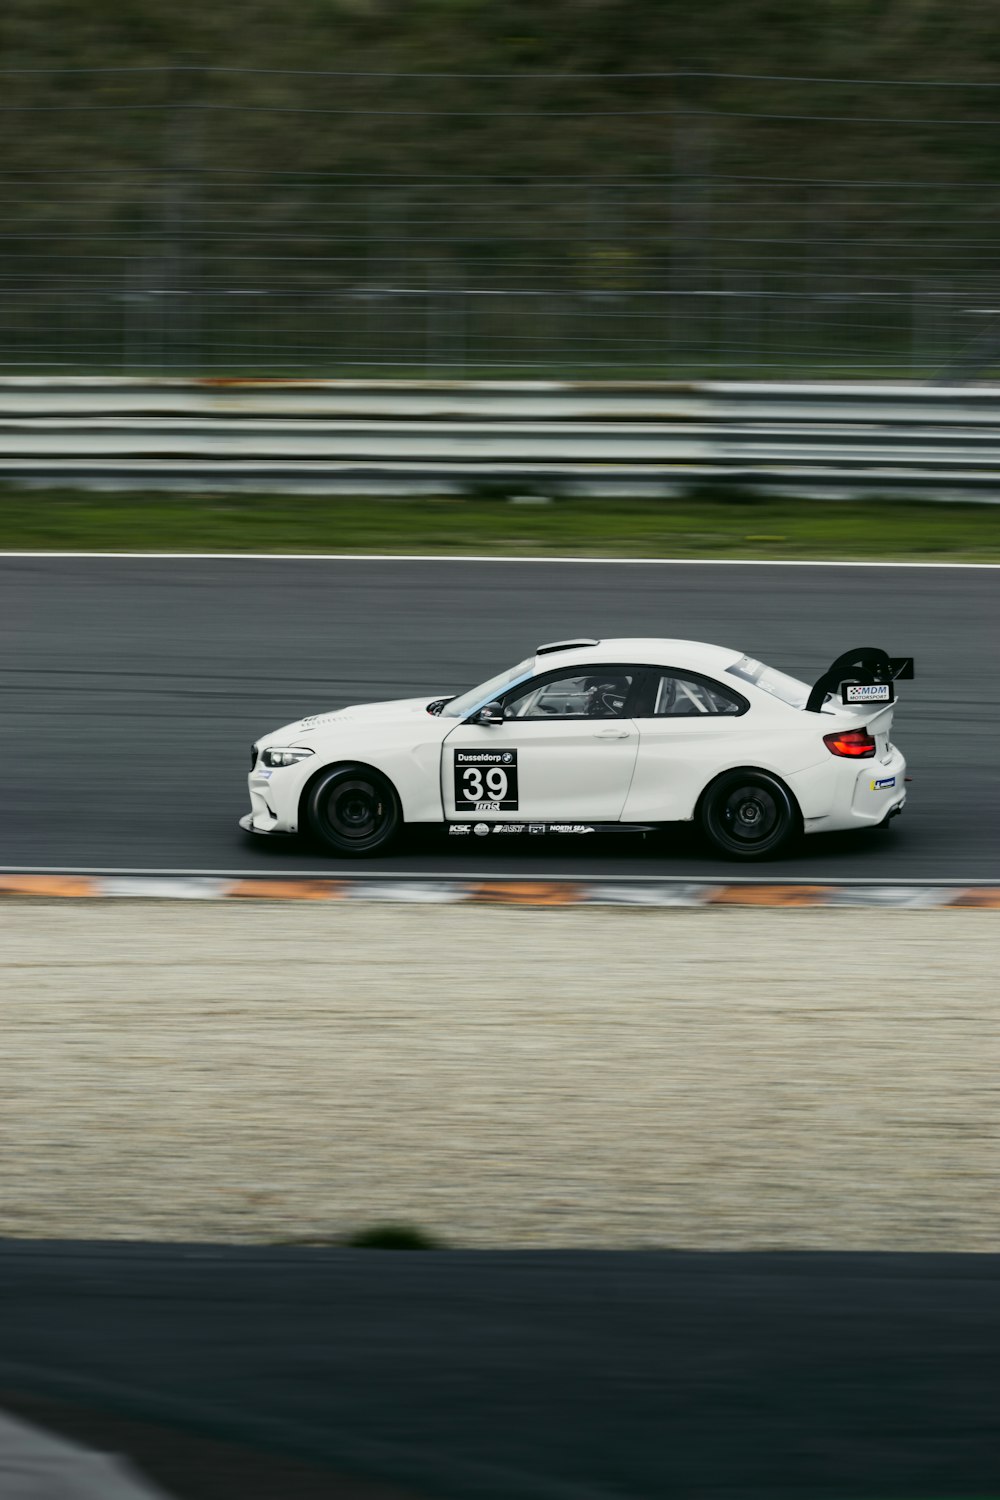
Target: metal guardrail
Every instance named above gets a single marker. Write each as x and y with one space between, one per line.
402 437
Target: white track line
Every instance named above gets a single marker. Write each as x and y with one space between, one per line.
650 562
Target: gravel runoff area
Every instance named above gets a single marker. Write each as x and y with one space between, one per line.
500 1077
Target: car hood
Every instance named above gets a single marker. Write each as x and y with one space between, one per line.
391 708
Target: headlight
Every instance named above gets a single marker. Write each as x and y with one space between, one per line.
276 757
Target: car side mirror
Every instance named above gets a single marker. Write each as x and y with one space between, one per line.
490 713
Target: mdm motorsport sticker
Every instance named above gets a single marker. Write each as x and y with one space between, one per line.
867 692
485 781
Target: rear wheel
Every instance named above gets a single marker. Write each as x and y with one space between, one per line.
749 815
353 810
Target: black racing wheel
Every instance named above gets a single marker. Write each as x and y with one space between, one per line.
749 815
353 810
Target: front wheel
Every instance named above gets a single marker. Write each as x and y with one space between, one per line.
353 810
749 815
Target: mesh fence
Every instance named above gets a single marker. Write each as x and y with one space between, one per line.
236 222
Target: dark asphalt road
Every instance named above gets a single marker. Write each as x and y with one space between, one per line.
576 1376
133 687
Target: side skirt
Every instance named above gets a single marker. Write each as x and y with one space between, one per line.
483 829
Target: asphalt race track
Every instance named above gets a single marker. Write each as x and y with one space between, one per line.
558 1376
132 688
533 1374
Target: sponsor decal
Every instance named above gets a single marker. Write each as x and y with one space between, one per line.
508 827
867 692
536 827
455 829
485 781
570 828
481 829
883 784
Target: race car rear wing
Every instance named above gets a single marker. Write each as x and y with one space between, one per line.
864 675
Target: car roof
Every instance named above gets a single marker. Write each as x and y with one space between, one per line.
696 656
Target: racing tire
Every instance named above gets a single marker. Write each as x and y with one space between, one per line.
353 810
749 815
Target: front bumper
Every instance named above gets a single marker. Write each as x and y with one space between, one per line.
249 826
274 801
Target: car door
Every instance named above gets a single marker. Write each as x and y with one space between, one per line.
689 729
564 752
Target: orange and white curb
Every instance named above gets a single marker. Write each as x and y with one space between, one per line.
500 892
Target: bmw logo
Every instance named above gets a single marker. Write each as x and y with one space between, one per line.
507 757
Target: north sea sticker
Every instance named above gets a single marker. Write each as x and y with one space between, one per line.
485 781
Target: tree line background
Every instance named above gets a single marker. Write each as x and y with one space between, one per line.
623 188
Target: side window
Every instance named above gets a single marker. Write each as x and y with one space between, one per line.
595 694
677 697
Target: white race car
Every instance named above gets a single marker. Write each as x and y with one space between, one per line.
598 736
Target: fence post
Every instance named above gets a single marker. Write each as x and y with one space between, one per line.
691 150
178 320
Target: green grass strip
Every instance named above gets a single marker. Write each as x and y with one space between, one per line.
705 525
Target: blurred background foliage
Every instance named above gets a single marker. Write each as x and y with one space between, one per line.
494 186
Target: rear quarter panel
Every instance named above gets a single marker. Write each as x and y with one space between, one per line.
679 757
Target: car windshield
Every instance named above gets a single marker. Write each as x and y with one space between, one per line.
467 703
789 689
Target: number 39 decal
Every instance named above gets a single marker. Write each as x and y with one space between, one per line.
486 780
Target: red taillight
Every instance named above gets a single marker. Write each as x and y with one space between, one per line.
856 744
